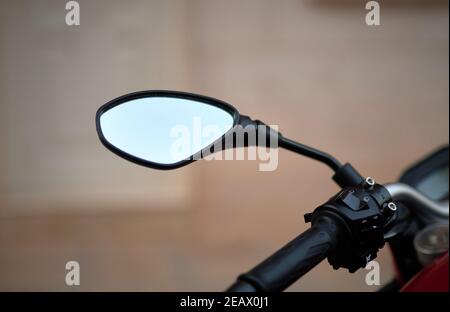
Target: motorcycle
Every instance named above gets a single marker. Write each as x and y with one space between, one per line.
150 128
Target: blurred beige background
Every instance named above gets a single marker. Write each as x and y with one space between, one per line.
375 96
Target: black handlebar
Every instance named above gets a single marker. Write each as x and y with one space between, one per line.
292 261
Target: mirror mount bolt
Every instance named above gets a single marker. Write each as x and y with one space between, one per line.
368 182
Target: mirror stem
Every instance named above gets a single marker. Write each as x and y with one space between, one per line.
310 152
344 175
293 146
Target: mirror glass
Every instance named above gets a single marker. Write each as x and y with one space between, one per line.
164 130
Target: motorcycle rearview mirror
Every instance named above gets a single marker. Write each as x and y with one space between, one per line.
163 129
169 129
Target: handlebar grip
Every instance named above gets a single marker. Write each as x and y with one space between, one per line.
292 261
